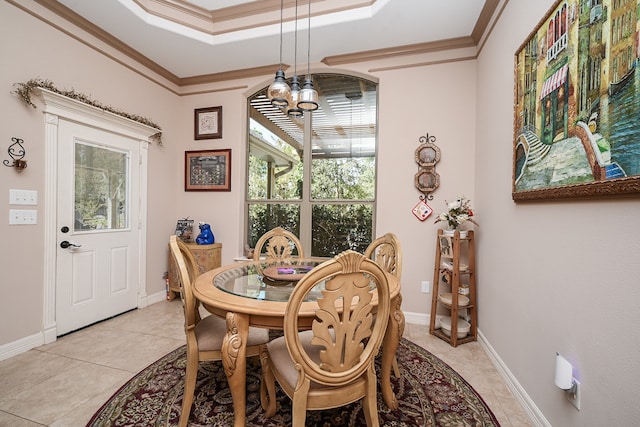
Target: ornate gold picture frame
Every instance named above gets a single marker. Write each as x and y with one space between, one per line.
577 106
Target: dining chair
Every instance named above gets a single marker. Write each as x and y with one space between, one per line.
204 335
387 253
279 245
332 364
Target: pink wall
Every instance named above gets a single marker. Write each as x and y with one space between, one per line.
559 276
554 276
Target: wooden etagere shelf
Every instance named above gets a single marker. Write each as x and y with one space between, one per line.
454 286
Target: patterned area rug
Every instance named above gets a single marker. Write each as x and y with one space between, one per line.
429 393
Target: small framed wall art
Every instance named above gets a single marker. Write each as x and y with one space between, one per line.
207 170
208 123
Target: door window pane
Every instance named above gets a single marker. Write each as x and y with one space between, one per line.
101 188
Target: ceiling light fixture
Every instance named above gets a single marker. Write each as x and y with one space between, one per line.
292 108
308 95
279 91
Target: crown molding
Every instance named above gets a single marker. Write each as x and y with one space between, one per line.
414 49
250 10
231 75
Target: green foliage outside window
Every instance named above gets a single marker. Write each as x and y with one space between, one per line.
100 188
263 217
336 228
343 178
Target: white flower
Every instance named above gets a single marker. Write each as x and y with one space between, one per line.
458 212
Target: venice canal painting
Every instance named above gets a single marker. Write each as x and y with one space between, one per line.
577 102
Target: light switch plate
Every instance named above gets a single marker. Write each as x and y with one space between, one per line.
23 216
23 197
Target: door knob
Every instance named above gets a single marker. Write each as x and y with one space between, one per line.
66 244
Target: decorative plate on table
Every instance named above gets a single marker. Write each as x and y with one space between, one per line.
286 273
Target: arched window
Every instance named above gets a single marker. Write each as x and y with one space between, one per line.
315 175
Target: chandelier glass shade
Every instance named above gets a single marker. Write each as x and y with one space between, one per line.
292 107
279 91
308 96
308 100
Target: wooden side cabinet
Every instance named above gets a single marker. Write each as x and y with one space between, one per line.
208 257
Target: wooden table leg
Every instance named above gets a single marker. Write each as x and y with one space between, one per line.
395 329
234 360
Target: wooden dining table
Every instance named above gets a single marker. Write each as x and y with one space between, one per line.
243 295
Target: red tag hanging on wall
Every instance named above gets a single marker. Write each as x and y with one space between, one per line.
422 210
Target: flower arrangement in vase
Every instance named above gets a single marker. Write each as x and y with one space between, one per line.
458 212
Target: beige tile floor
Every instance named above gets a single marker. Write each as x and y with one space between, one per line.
66 382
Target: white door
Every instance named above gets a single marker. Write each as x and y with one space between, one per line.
97 225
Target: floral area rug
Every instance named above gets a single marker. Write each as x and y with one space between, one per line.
429 393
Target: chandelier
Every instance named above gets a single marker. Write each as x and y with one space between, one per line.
293 100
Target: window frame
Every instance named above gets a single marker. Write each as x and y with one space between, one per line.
306 203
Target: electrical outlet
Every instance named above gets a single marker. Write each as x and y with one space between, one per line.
574 397
426 285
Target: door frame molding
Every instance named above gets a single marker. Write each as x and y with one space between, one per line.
57 107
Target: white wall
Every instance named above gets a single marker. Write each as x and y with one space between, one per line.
553 276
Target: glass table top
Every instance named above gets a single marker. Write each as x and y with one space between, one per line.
249 280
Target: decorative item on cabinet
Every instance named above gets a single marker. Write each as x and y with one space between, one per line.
207 257
206 236
184 230
454 289
457 213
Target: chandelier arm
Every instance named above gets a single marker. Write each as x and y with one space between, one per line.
309 42
281 17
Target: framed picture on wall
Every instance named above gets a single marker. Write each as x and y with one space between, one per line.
576 111
207 170
208 123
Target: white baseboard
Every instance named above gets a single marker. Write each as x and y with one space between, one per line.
152 299
416 318
20 346
420 319
529 406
